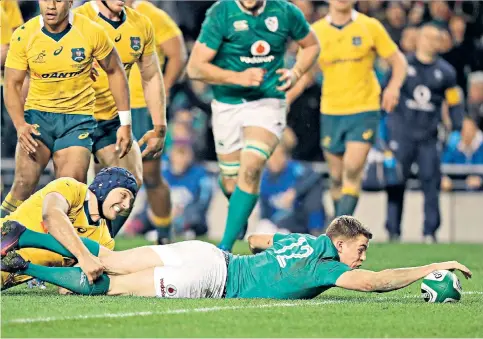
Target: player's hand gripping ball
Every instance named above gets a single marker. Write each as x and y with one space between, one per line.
441 287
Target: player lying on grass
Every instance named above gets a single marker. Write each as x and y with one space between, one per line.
294 266
68 209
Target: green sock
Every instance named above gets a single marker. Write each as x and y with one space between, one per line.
241 206
71 278
336 205
223 189
347 205
48 242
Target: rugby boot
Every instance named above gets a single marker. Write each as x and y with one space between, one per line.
11 232
13 262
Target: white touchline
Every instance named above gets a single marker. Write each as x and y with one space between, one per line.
209 309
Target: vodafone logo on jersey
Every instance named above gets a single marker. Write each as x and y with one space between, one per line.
260 48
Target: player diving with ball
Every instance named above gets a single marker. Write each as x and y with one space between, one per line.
293 266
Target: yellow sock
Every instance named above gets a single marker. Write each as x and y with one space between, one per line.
9 205
158 222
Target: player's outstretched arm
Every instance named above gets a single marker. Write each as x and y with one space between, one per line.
260 242
155 96
201 68
54 214
393 279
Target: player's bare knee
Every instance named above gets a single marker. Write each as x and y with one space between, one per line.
23 186
251 175
335 183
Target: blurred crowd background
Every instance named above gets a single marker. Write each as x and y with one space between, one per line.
189 109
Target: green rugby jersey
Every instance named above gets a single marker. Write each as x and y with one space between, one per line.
297 266
243 41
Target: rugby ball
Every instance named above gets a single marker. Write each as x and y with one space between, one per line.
441 287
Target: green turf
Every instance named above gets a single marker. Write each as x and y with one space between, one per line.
336 313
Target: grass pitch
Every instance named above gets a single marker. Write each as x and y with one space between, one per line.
336 313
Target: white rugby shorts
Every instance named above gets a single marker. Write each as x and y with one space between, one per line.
192 269
229 120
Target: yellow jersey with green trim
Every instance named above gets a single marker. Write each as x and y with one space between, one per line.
12 13
347 61
29 213
133 38
59 64
164 29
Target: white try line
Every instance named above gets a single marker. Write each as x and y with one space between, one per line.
209 309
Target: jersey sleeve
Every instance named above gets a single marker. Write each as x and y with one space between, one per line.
278 236
299 27
6 30
102 43
13 13
212 30
149 45
329 271
165 28
72 190
383 43
17 55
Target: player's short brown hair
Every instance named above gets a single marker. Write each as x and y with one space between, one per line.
348 227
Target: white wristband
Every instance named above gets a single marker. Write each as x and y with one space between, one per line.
125 117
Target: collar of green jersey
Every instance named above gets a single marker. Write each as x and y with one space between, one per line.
246 11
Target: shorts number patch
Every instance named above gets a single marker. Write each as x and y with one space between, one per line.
297 250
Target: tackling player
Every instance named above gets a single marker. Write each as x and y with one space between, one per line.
240 50
169 45
350 101
57 49
133 36
68 209
431 81
293 266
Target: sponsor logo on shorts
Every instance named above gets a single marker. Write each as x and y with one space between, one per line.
367 134
78 54
326 141
83 136
171 290
162 287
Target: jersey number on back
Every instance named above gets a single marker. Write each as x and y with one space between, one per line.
297 250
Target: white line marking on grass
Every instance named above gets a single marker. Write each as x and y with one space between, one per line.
209 309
